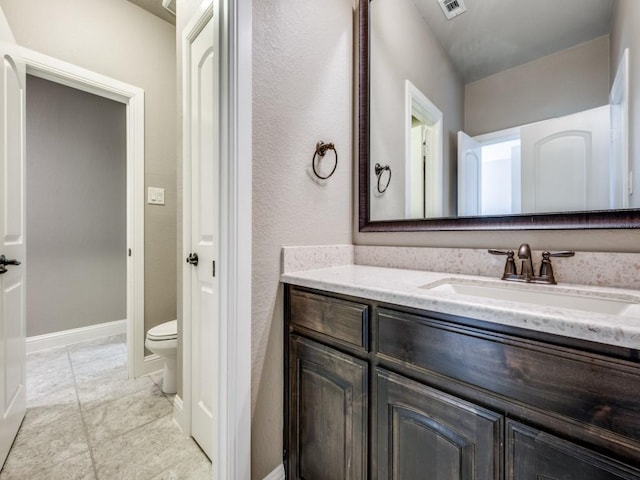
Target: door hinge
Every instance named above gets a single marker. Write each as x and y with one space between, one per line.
129 252
214 268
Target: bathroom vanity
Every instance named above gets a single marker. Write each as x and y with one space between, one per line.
412 382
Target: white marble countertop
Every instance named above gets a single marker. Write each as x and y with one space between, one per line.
403 287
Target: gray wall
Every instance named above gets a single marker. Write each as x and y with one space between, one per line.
76 215
120 40
403 48
566 82
302 93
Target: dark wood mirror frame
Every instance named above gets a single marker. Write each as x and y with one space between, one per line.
609 219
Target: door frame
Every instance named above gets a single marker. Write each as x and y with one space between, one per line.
58 71
232 395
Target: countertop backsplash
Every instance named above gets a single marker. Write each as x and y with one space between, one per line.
604 269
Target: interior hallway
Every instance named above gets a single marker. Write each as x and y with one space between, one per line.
86 420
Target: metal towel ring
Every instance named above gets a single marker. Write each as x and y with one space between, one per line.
321 150
379 169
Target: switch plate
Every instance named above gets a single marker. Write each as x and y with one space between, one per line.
155 196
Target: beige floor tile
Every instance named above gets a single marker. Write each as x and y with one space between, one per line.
89 351
196 468
83 389
114 366
37 449
144 452
124 414
47 362
75 468
101 390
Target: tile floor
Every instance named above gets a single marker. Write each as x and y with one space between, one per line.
86 420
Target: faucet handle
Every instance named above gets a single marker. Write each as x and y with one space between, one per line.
510 265
546 271
564 253
493 251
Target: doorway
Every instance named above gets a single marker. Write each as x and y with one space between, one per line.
44 68
76 215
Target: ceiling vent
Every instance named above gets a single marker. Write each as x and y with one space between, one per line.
452 8
170 5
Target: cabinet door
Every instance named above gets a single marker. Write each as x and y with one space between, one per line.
423 433
327 413
535 455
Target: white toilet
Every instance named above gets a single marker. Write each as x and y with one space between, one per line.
163 341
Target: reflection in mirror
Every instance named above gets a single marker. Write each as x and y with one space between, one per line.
424 156
499 111
554 165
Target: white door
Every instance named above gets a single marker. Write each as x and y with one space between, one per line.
205 235
12 245
565 163
469 176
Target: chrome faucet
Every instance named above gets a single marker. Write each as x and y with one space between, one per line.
526 269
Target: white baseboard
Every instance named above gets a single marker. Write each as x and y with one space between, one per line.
151 364
178 413
277 474
75 335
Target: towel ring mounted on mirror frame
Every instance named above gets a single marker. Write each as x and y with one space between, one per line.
321 150
379 169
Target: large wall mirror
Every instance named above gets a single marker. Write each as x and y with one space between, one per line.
485 114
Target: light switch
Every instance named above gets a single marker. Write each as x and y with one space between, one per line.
155 196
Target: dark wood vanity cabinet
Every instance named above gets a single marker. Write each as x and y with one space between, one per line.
532 455
328 412
387 392
425 433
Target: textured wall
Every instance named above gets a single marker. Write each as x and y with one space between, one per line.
120 40
302 93
77 223
566 82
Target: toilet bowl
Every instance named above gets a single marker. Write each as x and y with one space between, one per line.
163 341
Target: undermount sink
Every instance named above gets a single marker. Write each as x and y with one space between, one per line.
546 298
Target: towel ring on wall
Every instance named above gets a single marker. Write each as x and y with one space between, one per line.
379 169
321 150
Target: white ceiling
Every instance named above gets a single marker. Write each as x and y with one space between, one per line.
155 7
493 35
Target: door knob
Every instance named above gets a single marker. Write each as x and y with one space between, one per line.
193 259
5 261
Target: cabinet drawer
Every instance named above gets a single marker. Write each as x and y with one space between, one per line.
345 322
589 388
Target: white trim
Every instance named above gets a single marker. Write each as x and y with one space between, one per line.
75 335
619 96
178 414
499 136
151 364
277 474
234 392
65 73
433 190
